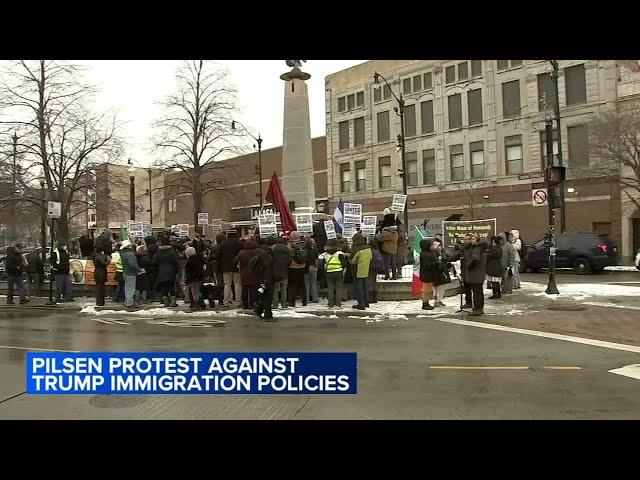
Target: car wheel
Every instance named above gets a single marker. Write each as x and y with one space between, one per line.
582 266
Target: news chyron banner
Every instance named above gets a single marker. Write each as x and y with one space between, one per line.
73 373
453 232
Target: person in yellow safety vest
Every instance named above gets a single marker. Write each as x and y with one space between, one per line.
116 259
333 261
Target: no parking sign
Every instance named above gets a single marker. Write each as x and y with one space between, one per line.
539 197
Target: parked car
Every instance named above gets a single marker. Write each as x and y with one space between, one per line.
584 252
637 259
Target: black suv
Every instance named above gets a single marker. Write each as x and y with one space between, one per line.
583 252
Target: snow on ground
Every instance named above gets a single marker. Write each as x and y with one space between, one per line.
159 312
622 268
582 291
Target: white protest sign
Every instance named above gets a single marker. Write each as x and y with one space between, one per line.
146 228
348 232
330 229
267 224
203 218
369 224
304 223
54 209
216 224
399 202
183 229
352 213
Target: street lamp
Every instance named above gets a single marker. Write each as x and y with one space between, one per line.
132 191
259 142
399 110
43 223
149 171
552 288
554 77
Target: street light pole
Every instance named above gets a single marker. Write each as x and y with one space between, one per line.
14 192
554 76
552 288
150 199
43 223
132 192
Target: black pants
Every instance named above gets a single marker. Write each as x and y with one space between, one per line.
100 294
167 289
478 296
467 293
296 287
249 296
263 303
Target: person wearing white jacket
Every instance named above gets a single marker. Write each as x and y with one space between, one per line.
517 242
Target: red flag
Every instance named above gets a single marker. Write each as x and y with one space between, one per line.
275 195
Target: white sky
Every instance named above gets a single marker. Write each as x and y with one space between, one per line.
134 86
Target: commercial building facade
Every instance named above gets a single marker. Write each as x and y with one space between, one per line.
475 139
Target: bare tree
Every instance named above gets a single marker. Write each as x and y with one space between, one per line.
614 144
472 200
61 139
195 132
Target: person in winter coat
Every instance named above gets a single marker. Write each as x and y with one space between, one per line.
401 254
372 283
265 279
518 243
311 277
389 248
152 269
361 255
333 261
86 246
231 275
509 253
15 266
116 259
249 280
297 269
474 265
130 271
214 264
166 260
35 270
143 280
444 265
100 262
193 277
494 267
105 242
60 269
281 262
429 271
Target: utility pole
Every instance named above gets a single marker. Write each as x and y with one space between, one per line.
552 288
554 76
150 199
14 192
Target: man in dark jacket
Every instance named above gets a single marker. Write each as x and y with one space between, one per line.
494 267
15 265
100 263
311 277
194 277
86 246
35 270
249 280
281 262
130 271
60 269
167 263
429 271
152 269
265 279
231 275
214 264
143 280
474 265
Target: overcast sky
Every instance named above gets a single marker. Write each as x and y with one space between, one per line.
133 87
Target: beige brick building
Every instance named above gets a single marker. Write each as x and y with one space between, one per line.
474 131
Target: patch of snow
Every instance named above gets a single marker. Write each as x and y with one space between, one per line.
160 312
290 313
389 316
622 268
611 305
581 291
333 316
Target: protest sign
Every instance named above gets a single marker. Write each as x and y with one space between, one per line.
398 203
267 224
352 213
455 231
304 223
203 219
369 224
329 228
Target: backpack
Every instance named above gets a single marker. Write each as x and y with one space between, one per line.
255 265
300 252
377 263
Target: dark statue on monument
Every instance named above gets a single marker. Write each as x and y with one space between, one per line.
295 71
295 63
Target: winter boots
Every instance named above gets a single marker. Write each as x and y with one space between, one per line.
495 286
426 305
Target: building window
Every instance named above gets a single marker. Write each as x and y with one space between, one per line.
476 68
450 74
511 99
477 159
427 80
406 86
92 217
463 71
412 168
417 83
344 134
351 102
429 167
383 126
386 92
543 148
410 121
345 178
384 172
578 146
513 154
360 99
358 129
455 111
361 175
474 100
341 104
575 85
504 64
426 116
377 94
516 63
173 204
546 92
456 156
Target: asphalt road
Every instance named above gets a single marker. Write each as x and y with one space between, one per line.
421 368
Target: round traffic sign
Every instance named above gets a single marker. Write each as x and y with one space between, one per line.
540 197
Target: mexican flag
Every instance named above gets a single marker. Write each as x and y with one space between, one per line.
417 284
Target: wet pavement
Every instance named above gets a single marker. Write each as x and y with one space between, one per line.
409 366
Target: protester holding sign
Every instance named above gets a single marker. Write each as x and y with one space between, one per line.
389 240
474 265
494 267
299 257
334 262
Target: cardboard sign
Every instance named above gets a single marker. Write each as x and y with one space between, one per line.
54 209
398 203
304 223
329 228
267 224
455 232
369 224
183 230
216 224
203 218
352 213
348 232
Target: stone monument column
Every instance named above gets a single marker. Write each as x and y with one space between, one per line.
297 161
